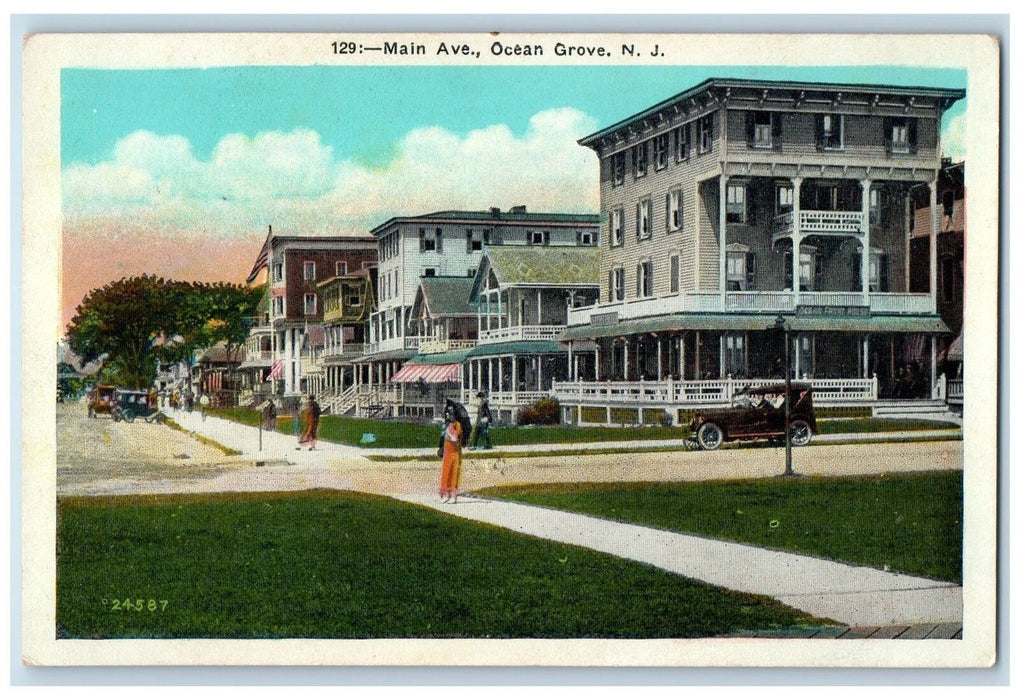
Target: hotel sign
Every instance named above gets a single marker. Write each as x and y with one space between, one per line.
854 311
606 319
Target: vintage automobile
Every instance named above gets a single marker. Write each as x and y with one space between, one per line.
101 399
129 404
758 414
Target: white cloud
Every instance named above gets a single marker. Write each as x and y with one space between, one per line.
293 181
954 138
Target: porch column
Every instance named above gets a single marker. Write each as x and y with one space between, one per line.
722 240
626 360
697 354
683 353
540 378
513 377
538 318
722 356
570 361
597 358
933 244
934 376
867 355
658 359
490 378
866 240
795 242
796 356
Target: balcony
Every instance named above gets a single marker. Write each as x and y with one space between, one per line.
760 302
812 222
407 342
346 349
502 335
432 346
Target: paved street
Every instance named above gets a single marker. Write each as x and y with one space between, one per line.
853 595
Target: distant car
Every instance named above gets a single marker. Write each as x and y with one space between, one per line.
758 414
101 399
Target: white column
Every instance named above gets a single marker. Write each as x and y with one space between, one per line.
683 354
795 241
866 240
513 377
796 357
570 361
539 310
933 245
867 356
934 376
489 391
539 387
597 357
626 360
658 359
722 239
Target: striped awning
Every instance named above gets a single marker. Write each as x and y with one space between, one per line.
276 372
431 374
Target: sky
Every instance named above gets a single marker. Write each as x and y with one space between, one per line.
180 172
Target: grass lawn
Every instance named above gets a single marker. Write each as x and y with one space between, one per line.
391 433
910 522
332 564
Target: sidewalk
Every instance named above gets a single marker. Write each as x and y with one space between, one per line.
852 595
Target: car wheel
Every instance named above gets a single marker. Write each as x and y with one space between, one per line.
800 433
710 436
129 415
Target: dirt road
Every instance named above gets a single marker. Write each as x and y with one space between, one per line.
98 456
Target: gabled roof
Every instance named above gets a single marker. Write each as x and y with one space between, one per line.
545 265
446 296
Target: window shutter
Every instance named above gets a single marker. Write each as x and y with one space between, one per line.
749 264
421 240
749 123
777 131
439 240
912 134
887 129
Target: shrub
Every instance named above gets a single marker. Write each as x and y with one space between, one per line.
542 412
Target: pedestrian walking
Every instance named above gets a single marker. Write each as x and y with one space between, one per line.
269 415
309 419
483 419
204 403
453 433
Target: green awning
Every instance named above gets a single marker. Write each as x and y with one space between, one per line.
517 347
759 322
453 357
403 354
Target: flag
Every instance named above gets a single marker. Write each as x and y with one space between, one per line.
276 372
262 260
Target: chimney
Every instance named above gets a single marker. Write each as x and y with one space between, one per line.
519 209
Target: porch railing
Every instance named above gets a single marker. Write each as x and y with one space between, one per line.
429 347
882 302
494 335
817 221
701 392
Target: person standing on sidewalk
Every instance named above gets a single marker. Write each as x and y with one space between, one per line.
449 479
483 418
309 419
204 402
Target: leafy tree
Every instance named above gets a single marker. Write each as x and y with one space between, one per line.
138 321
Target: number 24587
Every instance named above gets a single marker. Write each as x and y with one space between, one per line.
139 604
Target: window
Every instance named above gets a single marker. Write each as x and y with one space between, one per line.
674 210
429 272
739 268
705 125
617 285
585 238
901 135
660 144
736 354
354 297
439 240
948 203
278 272
538 237
830 132
875 206
682 142
471 271
309 270
487 236
278 307
341 268
948 281
674 273
427 243
639 157
762 129
474 243
617 167
644 218
878 271
616 226
396 281
309 304
808 268
784 199
644 278
736 204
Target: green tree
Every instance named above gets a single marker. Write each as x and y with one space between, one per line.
138 321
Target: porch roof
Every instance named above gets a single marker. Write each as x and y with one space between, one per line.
441 358
400 354
517 347
759 322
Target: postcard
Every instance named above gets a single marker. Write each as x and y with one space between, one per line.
487 349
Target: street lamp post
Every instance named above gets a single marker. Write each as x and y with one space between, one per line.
782 325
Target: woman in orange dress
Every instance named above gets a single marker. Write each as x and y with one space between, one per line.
450 478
